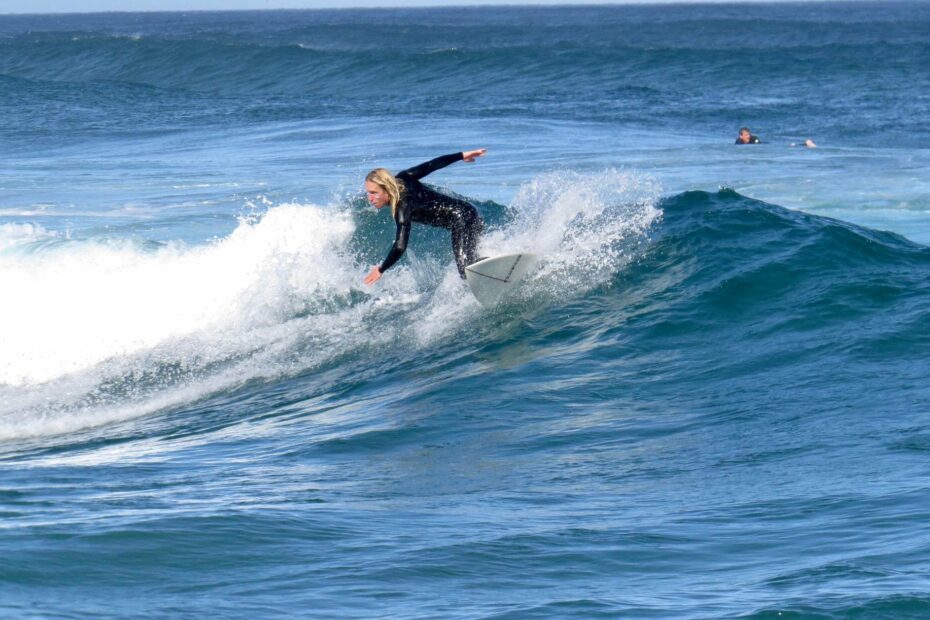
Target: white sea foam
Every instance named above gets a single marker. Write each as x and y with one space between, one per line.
585 225
19 235
79 304
102 331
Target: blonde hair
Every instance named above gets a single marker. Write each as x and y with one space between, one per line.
390 184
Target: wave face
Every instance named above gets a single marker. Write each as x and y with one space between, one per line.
710 400
704 359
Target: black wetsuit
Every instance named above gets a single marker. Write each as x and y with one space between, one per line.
752 140
426 206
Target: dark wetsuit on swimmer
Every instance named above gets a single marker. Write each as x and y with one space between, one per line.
423 205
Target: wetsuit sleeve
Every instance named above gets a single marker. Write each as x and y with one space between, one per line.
418 172
400 241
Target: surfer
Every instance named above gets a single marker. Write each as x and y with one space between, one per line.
411 201
745 137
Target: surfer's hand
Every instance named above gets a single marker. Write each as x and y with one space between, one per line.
373 276
470 156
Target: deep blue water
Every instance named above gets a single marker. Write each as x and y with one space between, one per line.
711 401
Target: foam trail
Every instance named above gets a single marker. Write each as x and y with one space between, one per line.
102 331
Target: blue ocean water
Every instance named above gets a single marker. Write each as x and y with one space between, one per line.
711 401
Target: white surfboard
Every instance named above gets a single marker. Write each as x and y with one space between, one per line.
492 278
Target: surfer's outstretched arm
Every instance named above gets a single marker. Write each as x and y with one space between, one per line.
397 250
418 172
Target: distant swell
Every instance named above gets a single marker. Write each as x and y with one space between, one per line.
604 64
232 66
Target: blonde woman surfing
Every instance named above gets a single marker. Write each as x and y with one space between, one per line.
411 201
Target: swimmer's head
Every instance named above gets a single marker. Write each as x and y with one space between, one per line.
744 134
383 188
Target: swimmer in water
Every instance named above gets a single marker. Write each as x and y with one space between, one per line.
745 137
411 201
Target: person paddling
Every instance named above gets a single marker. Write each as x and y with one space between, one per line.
746 137
411 201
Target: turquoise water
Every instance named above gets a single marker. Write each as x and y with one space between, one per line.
709 402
